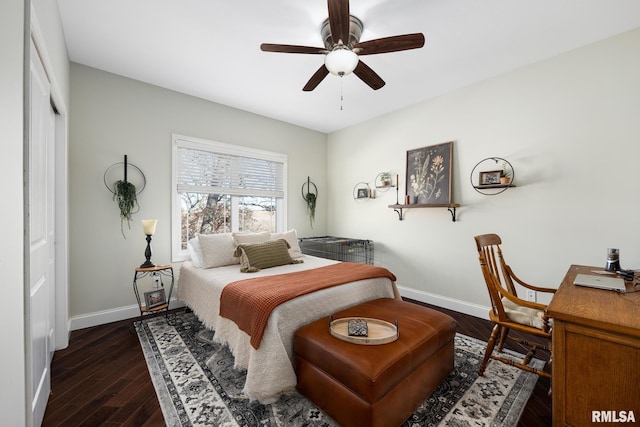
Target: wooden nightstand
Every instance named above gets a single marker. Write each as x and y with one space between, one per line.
156 300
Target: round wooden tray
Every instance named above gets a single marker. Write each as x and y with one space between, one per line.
380 331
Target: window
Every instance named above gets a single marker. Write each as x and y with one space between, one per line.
220 188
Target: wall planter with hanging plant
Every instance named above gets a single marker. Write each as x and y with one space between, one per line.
124 191
310 196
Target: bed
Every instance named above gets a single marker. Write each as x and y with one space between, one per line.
269 368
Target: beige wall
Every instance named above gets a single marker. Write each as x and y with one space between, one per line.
113 116
569 126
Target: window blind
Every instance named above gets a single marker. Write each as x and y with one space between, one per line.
204 171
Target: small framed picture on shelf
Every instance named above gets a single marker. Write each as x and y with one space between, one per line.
490 177
363 193
154 298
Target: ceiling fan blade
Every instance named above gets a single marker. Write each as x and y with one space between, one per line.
367 75
315 80
288 48
339 20
390 44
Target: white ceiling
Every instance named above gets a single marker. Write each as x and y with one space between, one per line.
211 48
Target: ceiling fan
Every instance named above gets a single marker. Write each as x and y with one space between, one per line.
341 34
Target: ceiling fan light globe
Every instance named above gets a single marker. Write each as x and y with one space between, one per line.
341 62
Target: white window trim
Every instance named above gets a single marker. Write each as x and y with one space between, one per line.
177 253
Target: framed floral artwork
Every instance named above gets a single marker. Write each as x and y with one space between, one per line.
429 174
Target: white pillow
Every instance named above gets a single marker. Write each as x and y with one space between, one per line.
291 237
250 238
195 251
217 250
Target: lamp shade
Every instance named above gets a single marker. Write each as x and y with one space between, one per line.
341 61
149 226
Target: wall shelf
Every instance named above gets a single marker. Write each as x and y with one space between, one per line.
451 207
481 187
496 188
362 191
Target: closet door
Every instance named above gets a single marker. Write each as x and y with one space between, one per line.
40 232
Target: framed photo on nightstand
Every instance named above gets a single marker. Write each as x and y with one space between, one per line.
154 298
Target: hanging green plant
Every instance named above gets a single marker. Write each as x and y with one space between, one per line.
310 198
125 194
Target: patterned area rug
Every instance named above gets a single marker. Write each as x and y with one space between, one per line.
198 386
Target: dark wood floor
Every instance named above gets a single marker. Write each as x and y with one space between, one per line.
101 379
537 413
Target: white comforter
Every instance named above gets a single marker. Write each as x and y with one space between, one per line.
269 368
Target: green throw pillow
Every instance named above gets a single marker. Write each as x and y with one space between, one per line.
256 256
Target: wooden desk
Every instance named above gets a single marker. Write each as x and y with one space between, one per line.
596 351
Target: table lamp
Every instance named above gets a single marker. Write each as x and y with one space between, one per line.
148 227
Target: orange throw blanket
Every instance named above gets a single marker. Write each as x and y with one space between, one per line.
249 302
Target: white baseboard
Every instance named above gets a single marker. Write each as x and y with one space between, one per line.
113 315
444 302
62 338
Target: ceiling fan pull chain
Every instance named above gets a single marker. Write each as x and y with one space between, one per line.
341 96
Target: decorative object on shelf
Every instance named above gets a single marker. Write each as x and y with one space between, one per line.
494 180
429 173
384 181
310 197
125 191
149 228
490 177
362 191
505 172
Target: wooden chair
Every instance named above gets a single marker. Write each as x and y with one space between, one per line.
508 311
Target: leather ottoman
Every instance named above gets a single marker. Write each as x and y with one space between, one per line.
375 385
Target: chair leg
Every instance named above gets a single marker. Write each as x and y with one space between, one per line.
503 337
520 365
490 345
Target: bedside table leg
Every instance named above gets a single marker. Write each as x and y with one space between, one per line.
170 318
